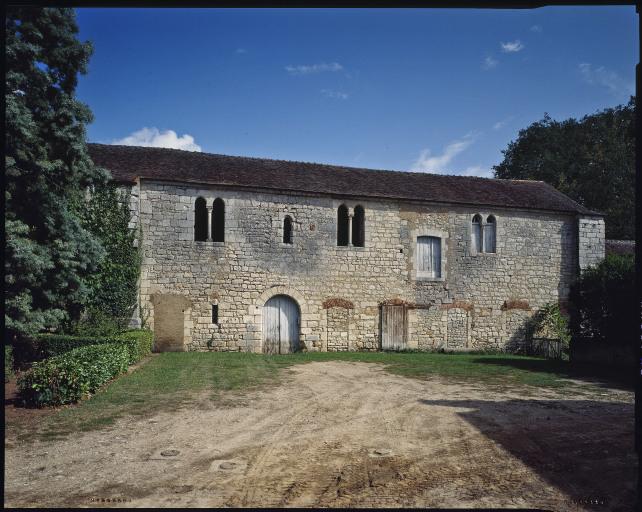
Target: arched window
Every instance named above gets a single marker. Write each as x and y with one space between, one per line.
342 225
359 227
490 232
477 234
218 220
200 220
287 230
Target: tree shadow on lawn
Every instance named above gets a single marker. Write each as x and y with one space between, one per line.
618 378
584 448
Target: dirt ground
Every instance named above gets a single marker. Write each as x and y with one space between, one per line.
340 434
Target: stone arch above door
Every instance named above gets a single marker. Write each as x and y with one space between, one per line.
256 314
281 325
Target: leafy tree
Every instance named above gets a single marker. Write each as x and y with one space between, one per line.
603 302
113 287
47 251
592 160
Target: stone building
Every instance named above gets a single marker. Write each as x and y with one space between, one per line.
246 254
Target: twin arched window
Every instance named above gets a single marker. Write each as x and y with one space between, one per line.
347 234
484 234
209 222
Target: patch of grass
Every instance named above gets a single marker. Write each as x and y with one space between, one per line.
483 368
170 380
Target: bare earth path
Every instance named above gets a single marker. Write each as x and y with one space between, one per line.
340 434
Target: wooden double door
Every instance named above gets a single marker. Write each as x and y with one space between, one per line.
281 321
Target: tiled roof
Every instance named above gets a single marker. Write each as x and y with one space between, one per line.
127 163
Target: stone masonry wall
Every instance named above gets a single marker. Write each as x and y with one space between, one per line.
535 261
591 241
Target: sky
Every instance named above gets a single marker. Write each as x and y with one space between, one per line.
424 90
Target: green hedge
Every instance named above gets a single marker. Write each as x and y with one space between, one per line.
8 362
138 342
71 376
74 366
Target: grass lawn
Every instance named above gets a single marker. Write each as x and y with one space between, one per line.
169 380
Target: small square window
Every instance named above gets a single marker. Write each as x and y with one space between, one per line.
215 313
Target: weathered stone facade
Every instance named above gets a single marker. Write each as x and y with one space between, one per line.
591 241
339 290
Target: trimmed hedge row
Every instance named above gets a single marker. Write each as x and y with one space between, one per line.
8 362
71 376
78 365
138 342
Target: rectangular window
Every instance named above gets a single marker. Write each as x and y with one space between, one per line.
215 313
429 256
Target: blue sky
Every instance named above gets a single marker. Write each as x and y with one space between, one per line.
437 90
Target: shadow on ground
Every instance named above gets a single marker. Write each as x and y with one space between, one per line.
584 448
619 378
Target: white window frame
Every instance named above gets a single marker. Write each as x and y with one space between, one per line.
425 276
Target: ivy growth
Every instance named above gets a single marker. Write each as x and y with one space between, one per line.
113 288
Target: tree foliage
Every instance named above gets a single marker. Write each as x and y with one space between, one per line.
592 160
604 302
47 251
113 287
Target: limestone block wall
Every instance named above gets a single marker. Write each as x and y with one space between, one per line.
591 241
340 290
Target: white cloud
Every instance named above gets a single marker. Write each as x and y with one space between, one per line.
500 124
477 170
489 63
606 78
512 47
536 28
152 137
241 50
440 164
329 93
313 68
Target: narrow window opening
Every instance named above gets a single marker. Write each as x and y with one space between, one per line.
218 220
490 233
215 313
359 227
287 230
342 225
477 234
200 220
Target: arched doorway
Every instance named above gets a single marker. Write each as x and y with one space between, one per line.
281 320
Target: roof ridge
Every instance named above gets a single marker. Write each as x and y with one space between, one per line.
127 163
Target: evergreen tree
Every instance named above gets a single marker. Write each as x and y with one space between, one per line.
48 170
592 160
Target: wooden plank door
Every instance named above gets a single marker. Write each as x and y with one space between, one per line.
271 332
393 327
280 325
289 325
